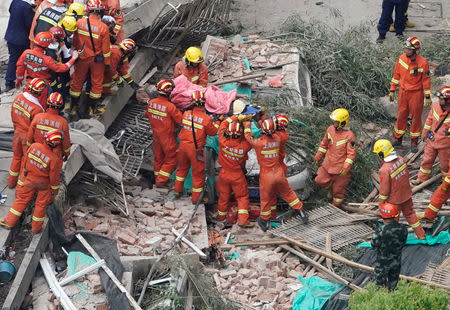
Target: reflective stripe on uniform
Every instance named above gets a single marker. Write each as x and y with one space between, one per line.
349 161
75 93
294 202
197 190
232 153
274 151
55 186
447 179
427 92
38 219
216 125
338 199
107 54
189 123
329 137
398 131
156 172
321 149
94 96
48 20
433 208
247 130
273 207
166 174
15 212
222 213
118 27
19 182
427 127
37 159
47 128
67 150
195 78
179 178
157 112
266 213
403 64
399 169
414 134
425 170
126 76
415 225
85 33
436 115
394 81
14 174
22 109
341 142
242 211
382 197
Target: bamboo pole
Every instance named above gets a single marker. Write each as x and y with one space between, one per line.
350 263
242 78
322 268
328 248
426 183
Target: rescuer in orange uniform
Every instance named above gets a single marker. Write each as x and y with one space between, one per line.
112 8
119 66
394 184
40 8
196 126
24 108
95 58
41 175
438 144
412 73
338 146
192 67
35 64
233 149
281 123
164 118
49 121
441 194
272 178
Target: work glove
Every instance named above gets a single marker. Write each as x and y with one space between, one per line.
428 101
221 117
343 173
134 85
391 96
119 83
244 117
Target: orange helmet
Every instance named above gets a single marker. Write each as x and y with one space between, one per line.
443 92
43 39
412 43
388 210
268 126
281 121
198 98
57 32
234 130
55 101
53 138
36 86
95 5
447 131
128 46
165 87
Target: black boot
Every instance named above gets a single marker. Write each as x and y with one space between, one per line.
380 38
303 215
397 141
263 224
414 147
83 110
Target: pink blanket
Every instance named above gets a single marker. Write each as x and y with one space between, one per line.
218 101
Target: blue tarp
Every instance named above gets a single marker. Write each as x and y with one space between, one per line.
314 293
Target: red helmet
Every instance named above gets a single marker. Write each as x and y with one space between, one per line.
95 5
268 126
53 137
443 92
412 43
58 33
43 39
165 87
234 130
198 98
281 121
388 210
36 86
447 131
55 101
128 46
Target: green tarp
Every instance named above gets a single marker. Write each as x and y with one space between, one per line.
314 293
442 238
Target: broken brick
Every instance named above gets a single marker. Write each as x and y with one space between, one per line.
102 306
175 213
102 228
227 273
126 238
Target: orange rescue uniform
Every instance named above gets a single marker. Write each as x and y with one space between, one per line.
90 61
338 146
112 8
23 110
119 69
42 176
232 158
395 189
197 75
44 122
413 76
187 154
440 146
41 7
272 178
439 197
164 118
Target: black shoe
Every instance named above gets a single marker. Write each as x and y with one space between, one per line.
414 148
380 39
397 142
263 224
7 88
303 215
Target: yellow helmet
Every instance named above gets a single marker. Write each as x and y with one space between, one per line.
68 23
76 9
383 148
341 116
194 55
238 106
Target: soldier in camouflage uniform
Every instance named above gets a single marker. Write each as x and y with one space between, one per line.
388 241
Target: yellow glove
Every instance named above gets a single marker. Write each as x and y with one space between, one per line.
221 117
343 173
263 110
428 101
391 96
242 117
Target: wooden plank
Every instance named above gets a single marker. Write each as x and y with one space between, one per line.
328 249
262 242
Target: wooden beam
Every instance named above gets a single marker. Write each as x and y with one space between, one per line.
242 78
426 183
261 242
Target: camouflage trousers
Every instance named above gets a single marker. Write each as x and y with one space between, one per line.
387 272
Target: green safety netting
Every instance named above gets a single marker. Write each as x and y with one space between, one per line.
314 293
442 238
77 261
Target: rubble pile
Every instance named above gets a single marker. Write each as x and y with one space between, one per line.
260 276
229 59
148 230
